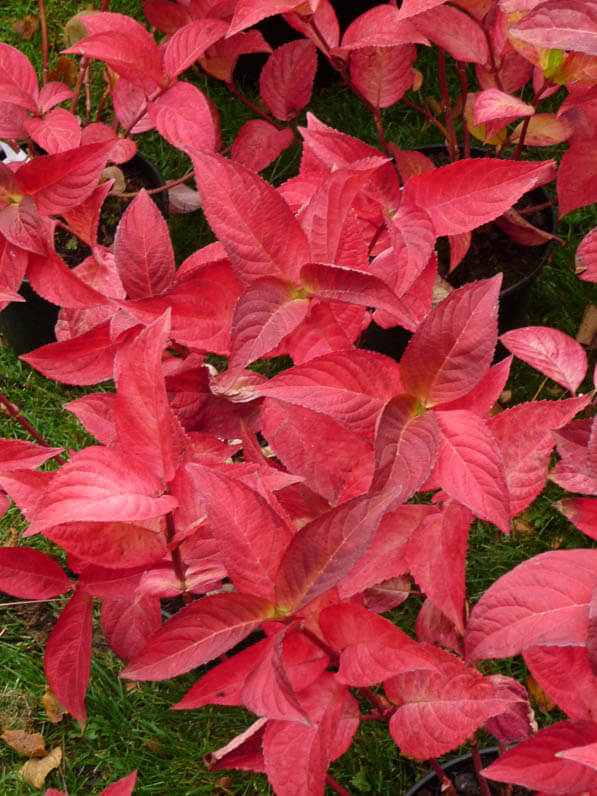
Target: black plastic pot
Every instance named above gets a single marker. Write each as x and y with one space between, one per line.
514 298
462 773
30 324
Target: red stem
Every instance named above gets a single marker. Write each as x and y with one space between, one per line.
13 411
177 561
466 136
44 40
233 90
447 784
483 785
451 140
334 785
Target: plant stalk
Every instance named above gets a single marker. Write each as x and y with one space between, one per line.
335 785
44 40
447 784
13 411
451 140
483 785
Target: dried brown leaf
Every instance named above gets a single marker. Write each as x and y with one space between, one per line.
54 709
31 744
66 71
588 326
521 526
538 694
25 28
36 771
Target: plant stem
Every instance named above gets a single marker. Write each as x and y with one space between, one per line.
478 766
235 92
44 40
13 411
447 784
427 114
177 561
380 703
451 140
334 785
169 184
466 136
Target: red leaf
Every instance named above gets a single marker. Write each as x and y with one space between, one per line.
223 684
67 658
57 131
524 436
256 226
18 81
537 763
455 32
100 484
338 283
439 710
561 24
335 462
371 647
123 44
266 312
142 249
576 178
495 104
244 751
165 15
565 674
190 42
30 574
258 143
582 512
452 349
406 447
350 386
586 754
110 544
326 549
382 26
470 466
22 226
383 74
145 422
267 690
550 351
184 116
248 12
385 557
471 192
62 181
19 454
251 536
129 624
586 257
51 277
198 633
286 80
329 211
123 787
436 557
541 602
297 756
86 359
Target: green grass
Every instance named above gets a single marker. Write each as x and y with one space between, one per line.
130 725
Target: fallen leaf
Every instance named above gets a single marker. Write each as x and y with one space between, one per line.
54 709
31 744
183 199
25 28
521 526
588 326
36 771
505 397
542 700
66 71
116 174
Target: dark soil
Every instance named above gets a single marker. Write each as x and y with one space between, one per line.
493 251
73 251
465 781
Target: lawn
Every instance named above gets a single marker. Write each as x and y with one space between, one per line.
130 724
